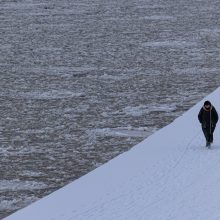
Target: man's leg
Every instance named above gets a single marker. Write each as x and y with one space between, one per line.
206 134
211 138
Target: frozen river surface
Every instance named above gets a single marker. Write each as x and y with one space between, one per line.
83 81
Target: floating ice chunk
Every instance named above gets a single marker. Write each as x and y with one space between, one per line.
160 17
170 44
54 94
32 173
122 132
18 185
136 111
14 204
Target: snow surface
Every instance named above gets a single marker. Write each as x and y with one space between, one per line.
170 175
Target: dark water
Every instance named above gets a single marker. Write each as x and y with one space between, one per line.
83 81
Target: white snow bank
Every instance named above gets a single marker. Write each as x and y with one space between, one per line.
170 175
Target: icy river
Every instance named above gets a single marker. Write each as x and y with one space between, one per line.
82 81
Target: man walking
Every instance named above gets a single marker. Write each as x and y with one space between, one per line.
208 117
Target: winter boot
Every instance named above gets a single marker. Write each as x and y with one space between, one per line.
208 144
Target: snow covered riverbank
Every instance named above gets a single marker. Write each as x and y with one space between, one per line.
170 175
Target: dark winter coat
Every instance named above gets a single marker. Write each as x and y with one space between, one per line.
208 117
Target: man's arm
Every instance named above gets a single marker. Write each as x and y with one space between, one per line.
215 115
200 115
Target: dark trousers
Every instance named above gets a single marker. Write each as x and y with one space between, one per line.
208 133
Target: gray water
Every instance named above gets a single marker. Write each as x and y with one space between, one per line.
83 81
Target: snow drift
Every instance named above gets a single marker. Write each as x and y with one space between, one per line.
170 175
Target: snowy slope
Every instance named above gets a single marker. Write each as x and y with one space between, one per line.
170 175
